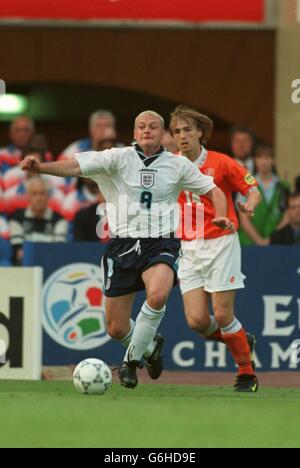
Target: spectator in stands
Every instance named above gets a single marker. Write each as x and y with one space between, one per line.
20 133
16 196
271 214
87 192
15 176
242 142
290 234
37 223
85 195
102 124
4 229
89 226
5 247
39 141
1 199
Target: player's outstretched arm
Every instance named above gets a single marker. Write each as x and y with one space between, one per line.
68 168
220 205
219 201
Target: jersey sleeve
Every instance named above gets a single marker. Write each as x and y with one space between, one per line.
93 163
238 177
193 180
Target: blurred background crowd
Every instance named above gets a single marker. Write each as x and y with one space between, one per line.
75 80
52 209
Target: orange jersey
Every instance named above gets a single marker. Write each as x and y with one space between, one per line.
230 177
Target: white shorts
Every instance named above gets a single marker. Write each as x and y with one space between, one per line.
212 264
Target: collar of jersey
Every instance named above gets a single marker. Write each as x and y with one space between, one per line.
141 154
202 158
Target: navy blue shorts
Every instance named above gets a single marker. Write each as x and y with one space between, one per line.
125 260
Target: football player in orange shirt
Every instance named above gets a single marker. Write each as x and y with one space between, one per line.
211 266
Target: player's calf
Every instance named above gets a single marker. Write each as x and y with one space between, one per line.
252 342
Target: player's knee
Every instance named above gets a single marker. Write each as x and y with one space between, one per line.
197 324
115 330
156 300
223 314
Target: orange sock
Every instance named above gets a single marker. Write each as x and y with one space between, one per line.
238 346
216 336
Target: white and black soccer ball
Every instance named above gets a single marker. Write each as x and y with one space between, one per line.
92 377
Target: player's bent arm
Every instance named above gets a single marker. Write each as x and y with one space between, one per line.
216 195
219 201
253 200
67 168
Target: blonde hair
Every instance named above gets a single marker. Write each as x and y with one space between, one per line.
153 114
202 121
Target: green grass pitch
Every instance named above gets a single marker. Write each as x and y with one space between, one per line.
53 414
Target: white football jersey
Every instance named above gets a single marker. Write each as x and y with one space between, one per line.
142 201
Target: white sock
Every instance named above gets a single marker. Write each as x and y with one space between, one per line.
146 325
213 327
233 327
127 339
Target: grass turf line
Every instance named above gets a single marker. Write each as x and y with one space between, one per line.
53 414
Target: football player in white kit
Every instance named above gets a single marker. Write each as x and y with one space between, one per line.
142 254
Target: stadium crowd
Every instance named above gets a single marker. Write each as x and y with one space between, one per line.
53 209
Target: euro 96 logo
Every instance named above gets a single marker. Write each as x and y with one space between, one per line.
2 87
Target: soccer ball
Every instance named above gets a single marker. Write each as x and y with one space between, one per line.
92 377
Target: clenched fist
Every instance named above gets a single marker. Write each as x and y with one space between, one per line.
31 164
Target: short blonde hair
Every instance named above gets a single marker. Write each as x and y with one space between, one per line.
153 114
202 121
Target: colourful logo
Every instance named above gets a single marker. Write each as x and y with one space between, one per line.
249 179
73 300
